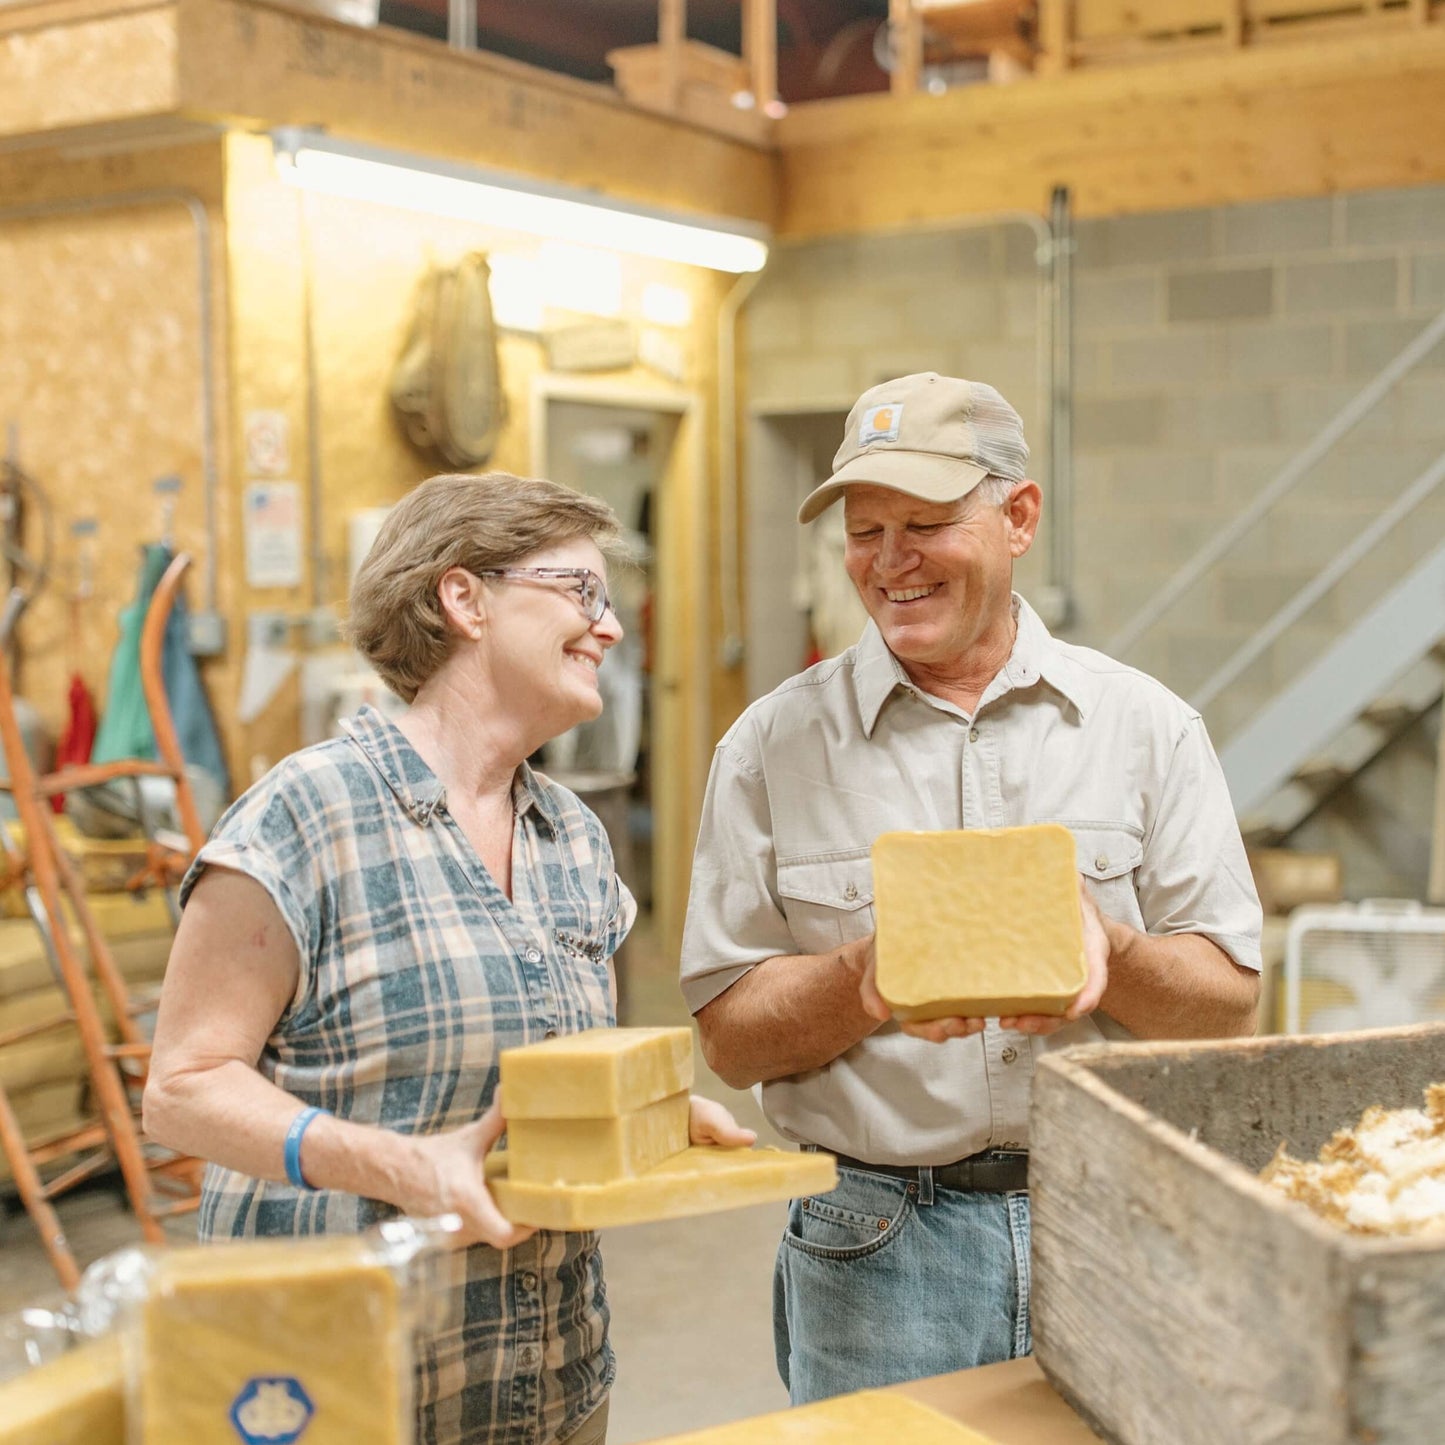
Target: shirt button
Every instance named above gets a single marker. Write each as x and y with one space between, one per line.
1009 1054
1101 862
850 892
550 1034
529 1355
973 735
529 1280
1010 1144
533 955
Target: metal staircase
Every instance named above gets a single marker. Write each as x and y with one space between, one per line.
1371 683
1316 734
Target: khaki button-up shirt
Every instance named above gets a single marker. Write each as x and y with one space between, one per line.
810 775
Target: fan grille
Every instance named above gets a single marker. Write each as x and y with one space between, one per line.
1359 967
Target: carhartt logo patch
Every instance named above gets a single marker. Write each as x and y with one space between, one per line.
880 424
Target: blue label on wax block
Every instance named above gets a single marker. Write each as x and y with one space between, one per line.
272 1410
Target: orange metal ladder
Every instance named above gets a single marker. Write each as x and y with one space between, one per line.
158 1182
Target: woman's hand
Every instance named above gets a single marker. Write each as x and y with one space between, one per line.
709 1123
451 1181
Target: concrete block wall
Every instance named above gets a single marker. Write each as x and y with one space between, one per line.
1210 347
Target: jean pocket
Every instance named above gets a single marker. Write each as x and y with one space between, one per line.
866 1213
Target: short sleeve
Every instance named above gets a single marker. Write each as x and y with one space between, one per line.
1195 877
735 918
262 837
619 908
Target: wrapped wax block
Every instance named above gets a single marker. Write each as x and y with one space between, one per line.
280 1340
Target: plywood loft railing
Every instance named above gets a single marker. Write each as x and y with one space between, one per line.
737 95
1082 32
1053 35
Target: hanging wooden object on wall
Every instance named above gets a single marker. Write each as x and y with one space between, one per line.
446 384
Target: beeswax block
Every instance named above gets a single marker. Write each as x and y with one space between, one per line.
871 1417
78 1399
978 924
595 1151
275 1340
701 1180
598 1074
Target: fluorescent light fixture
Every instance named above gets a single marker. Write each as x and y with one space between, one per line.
581 278
317 162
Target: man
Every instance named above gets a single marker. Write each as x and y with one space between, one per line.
956 709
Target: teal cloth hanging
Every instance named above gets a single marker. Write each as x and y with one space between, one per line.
125 727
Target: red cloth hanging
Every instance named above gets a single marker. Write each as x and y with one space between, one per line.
78 737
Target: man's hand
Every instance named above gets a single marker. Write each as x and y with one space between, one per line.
708 1122
936 1031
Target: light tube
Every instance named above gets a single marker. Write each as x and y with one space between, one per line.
320 163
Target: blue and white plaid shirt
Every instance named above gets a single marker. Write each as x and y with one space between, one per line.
416 971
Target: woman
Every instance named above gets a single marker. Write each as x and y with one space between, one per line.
383 913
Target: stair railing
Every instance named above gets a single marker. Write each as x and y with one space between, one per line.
1363 542
1289 477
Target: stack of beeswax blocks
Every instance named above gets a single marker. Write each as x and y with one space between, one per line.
596 1107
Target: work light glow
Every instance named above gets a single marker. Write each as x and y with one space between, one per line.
330 168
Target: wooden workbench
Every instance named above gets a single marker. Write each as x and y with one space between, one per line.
1011 1403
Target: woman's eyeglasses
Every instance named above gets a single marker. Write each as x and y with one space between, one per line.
591 590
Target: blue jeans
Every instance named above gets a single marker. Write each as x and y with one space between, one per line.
886 1280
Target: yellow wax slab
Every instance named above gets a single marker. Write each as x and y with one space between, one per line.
597 1074
267 1329
596 1151
78 1399
871 1417
701 1180
978 924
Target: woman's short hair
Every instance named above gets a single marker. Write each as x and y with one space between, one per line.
462 520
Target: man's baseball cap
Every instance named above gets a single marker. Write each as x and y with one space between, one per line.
935 437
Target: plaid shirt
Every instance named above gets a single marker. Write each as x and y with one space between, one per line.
416 971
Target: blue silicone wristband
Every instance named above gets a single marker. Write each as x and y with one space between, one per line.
292 1151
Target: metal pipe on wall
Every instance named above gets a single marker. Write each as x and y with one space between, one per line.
1061 406
315 497
733 646
200 221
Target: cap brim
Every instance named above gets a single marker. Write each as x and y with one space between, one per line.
919 474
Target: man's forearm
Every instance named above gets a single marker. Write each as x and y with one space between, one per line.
1177 986
786 1016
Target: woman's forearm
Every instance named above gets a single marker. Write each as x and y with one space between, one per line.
232 1116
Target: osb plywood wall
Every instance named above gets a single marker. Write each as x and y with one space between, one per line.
100 374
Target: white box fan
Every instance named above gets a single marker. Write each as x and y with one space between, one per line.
1362 966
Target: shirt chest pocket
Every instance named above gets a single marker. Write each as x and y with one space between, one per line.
827 901
1107 855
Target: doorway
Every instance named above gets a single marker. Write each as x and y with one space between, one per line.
641 766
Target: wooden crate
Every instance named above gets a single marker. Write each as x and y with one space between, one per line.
1176 1299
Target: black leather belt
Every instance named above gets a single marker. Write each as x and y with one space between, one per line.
995 1171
